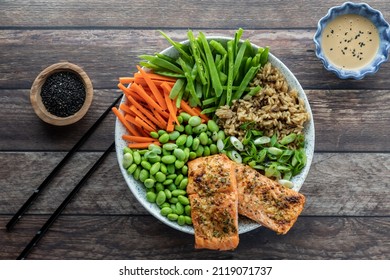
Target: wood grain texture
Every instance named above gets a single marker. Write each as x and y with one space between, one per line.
168 14
346 184
142 237
106 55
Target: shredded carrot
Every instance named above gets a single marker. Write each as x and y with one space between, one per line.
138 139
143 145
153 88
124 122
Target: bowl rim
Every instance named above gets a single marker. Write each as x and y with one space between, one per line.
250 225
384 46
36 100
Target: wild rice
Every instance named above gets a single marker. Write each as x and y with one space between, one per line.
276 109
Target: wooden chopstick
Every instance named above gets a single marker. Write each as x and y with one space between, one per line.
40 233
54 172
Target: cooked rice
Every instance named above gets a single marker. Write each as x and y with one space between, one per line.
276 109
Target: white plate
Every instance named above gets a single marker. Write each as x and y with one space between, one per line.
245 224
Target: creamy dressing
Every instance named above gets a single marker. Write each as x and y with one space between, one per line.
350 41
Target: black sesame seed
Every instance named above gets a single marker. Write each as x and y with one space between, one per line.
63 94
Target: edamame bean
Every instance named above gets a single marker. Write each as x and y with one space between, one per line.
154 134
131 169
151 197
161 197
166 152
188 220
212 126
172 217
149 183
174 200
137 157
179 128
172 176
163 168
178 192
180 119
168 159
199 151
179 164
179 154
188 129
159 187
166 204
183 184
214 136
185 116
155 159
171 168
143 175
203 138
166 211
221 135
181 220
194 121
189 141
184 170
172 187
192 155
213 149
168 193
154 148
195 143
186 153
183 200
127 150
187 210
146 165
137 173
164 138
167 182
206 151
174 135
155 168
181 140
169 146
160 177
127 160
178 179
199 128
179 208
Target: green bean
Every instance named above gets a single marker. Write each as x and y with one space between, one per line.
178 47
196 54
181 140
245 81
215 81
169 74
218 47
210 110
151 197
161 197
149 183
163 63
190 81
238 60
164 138
177 87
166 211
194 121
168 159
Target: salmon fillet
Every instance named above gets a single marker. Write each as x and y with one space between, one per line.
212 191
266 201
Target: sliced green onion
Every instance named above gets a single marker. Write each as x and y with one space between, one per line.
236 143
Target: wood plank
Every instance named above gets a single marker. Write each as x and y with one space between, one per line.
106 55
167 14
142 237
349 184
345 120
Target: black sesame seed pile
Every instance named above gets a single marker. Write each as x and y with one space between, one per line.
63 94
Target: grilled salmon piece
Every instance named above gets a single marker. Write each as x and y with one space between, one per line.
266 201
212 191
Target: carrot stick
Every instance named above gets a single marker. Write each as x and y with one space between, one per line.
156 77
137 126
127 91
187 108
142 116
143 145
126 80
125 108
124 122
141 80
168 101
153 88
144 124
140 90
138 139
170 125
160 118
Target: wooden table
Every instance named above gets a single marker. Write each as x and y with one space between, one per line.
347 190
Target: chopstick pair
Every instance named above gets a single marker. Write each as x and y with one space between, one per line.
53 173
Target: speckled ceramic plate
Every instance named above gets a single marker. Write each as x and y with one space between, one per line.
245 224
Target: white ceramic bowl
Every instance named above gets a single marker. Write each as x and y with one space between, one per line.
380 23
245 224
